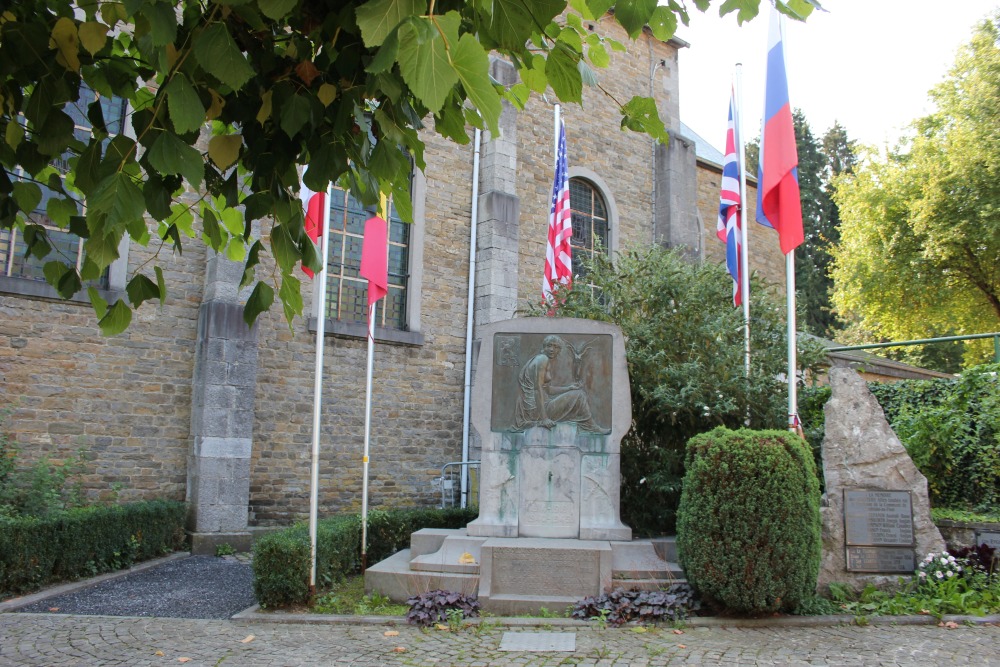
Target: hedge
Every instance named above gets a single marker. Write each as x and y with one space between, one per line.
82 542
281 560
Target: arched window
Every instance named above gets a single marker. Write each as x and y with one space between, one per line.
590 224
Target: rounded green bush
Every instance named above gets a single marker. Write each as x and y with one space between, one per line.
748 525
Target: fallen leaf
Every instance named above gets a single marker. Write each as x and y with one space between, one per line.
951 625
183 659
678 632
467 559
159 653
681 646
925 612
247 639
638 628
440 626
391 633
399 649
53 608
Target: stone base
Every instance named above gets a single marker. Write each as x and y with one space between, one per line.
204 544
393 578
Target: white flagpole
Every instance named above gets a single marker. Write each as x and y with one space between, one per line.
384 214
744 221
318 388
793 402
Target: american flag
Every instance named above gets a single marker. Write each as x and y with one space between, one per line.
728 229
558 254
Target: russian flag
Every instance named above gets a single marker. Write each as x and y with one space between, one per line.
778 203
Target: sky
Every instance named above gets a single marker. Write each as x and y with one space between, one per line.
865 63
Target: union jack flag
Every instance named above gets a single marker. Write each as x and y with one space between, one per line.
558 252
729 228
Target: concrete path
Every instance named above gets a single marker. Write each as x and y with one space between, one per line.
56 639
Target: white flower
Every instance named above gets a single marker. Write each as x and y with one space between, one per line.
944 561
939 575
950 574
958 567
923 575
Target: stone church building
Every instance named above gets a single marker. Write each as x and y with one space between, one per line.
190 404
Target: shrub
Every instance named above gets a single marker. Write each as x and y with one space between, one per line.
619 606
281 560
85 541
685 350
748 529
440 607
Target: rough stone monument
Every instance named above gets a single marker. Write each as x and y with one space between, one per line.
876 513
551 404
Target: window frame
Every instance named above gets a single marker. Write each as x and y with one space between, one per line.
611 208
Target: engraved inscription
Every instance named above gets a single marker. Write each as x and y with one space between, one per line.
989 539
878 518
545 572
880 559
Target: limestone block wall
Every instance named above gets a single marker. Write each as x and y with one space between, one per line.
125 401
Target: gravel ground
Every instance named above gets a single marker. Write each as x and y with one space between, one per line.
205 587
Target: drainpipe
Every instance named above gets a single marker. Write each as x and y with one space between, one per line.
469 320
653 66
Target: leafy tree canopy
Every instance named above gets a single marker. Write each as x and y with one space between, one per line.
919 254
339 85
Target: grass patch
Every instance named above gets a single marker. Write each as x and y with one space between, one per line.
985 516
348 598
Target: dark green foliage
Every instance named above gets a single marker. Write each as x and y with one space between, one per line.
685 350
748 526
433 607
811 403
619 606
951 429
281 560
85 541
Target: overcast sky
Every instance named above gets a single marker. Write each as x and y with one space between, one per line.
865 63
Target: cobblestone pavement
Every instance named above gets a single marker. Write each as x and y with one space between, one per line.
55 639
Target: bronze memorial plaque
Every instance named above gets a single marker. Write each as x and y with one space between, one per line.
878 527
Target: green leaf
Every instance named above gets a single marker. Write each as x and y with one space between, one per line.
235 250
534 76
260 301
284 247
663 23
169 154
61 210
472 65
423 60
450 123
212 230
224 150
253 259
290 294
633 15
37 239
599 56
218 54
378 18
186 110
119 199
141 288
276 9
27 196
512 22
63 278
97 301
563 76
295 113
162 19
116 320
100 249
600 7
747 9
161 284
640 115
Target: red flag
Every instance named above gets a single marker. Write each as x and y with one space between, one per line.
375 258
313 203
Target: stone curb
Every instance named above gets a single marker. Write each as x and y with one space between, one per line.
25 600
254 615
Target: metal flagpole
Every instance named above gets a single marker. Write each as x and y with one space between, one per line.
383 213
793 401
318 389
744 221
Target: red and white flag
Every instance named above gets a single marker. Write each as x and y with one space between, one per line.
558 252
375 258
313 204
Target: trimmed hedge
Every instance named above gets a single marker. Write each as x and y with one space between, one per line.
748 526
281 560
86 541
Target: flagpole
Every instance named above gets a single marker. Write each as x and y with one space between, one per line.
555 133
318 390
793 402
744 222
384 214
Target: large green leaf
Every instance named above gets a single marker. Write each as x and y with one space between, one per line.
423 60
563 75
185 107
219 55
640 115
634 14
512 22
472 65
259 302
116 319
119 200
27 196
140 288
663 23
101 249
295 112
290 294
285 250
378 18
276 9
162 19
63 278
169 154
